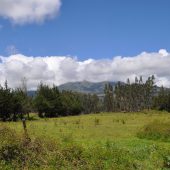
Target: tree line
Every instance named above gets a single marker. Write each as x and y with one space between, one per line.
47 102
130 97
50 102
136 96
162 100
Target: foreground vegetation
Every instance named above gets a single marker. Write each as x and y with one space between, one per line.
95 141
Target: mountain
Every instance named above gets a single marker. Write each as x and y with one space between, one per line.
85 86
31 93
82 86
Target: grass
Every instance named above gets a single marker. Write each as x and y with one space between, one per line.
156 130
97 141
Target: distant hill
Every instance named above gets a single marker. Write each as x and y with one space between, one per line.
31 93
82 86
85 86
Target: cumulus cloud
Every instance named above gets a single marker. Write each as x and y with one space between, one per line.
29 11
163 52
61 69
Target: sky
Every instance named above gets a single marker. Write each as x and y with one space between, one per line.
58 41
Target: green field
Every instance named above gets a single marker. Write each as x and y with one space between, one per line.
95 141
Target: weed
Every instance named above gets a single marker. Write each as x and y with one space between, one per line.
77 122
64 122
123 121
117 120
67 138
96 121
55 123
167 162
156 131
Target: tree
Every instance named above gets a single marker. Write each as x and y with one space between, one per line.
108 99
129 97
21 104
6 104
71 103
162 100
48 101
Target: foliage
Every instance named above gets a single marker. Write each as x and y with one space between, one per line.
162 100
71 103
19 151
109 98
130 97
123 151
13 103
47 101
156 130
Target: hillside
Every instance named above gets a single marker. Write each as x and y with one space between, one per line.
85 86
82 86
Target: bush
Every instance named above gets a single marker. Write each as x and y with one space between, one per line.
20 151
156 131
96 121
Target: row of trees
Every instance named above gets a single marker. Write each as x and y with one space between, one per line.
50 102
162 100
130 97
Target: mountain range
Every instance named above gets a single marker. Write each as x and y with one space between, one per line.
85 86
82 86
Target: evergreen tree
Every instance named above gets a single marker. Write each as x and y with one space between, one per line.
48 101
108 100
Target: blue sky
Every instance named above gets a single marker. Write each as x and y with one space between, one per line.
93 29
59 41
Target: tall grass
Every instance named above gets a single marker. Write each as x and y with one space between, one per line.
99 142
37 153
156 130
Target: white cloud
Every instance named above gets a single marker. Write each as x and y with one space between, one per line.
29 11
163 52
61 69
11 50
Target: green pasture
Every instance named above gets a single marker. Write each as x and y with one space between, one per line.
108 140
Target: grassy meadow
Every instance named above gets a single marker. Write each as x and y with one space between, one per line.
94 141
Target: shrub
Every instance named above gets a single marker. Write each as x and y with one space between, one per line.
77 122
19 151
156 131
67 137
123 121
167 161
96 121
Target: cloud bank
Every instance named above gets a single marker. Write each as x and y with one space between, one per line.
61 69
29 11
